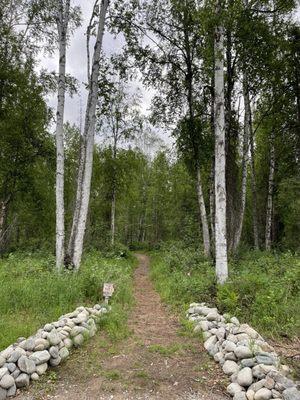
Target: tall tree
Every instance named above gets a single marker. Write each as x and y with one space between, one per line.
220 179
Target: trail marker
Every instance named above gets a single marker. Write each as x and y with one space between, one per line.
108 290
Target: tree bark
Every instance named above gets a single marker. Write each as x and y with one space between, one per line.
89 133
247 129
204 223
220 178
113 198
62 26
269 213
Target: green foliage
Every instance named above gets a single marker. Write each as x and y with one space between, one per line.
263 289
33 294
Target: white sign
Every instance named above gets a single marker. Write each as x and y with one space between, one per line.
108 290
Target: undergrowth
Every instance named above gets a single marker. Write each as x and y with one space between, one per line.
32 293
263 289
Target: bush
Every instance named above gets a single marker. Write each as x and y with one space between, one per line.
32 293
263 289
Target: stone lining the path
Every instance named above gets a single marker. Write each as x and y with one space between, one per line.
28 359
246 358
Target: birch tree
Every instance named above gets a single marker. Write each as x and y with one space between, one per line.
269 210
85 174
62 29
220 179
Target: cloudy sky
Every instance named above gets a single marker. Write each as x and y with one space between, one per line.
77 67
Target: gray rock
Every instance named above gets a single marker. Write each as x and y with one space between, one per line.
53 352
26 365
16 373
234 321
263 394
3 394
204 325
232 338
213 316
7 352
210 342
48 327
243 352
291 394
11 367
78 340
77 330
42 368
245 328
234 388
257 385
68 343
250 394
53 338
266 359
284 382
34 377
230 356
229 346
2 361
3 371
41 344
15 355
276 394
240 396
22 380
230 367
54 362
248 362
12 391
40 357
29 344
64 353
7 381
245 377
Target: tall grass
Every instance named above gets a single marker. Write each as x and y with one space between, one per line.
31 293
263 289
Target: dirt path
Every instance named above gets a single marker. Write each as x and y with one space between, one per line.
155 362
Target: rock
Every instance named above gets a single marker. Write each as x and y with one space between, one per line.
22 380
206 335
230 356
68 343
220 333
245 328
16 373
12 391
250 394
257 385
41 344
234 388
29 344
34 377
3 371
48 327
26 365
284 382
210 342
53 351
263 394
53 338
78 340
204 325
15 355
64 353
275 394
229 346
77 330
213 316
7 352
266 359
243 352
3 394
245 377
42 368
291 394
259 372
2 361
232 338
240 396
230 367
7 381
248 362
11 367
234 321
269 383
284 369
54 362
40 357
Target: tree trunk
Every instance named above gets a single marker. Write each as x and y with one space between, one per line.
89 132
269 213
247 129
3 218
220 178
204 223
113 197
62 25
212 205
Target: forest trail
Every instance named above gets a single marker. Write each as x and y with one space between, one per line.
154 362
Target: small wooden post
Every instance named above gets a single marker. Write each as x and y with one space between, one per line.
108 290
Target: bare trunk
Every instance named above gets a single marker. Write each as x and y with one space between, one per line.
62 25
254 192
220 178
203 215
3 216
212 205
89 132
113 217
269 213
247 129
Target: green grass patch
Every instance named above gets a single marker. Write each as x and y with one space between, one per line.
263 288
32 294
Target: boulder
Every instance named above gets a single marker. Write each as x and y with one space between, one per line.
291 394
42 368
3 394
7 381
263 394
245 377
2 361
12 391
209 343
234 388
22 380
243 352
40 357
26 365
230 367
3 371
53 337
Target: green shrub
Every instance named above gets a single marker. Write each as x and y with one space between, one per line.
32 293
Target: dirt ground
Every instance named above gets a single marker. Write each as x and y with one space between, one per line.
154 362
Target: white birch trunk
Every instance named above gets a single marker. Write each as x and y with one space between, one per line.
269 213
62 25
247 128
113 217
203 215
254 193
220 180
89 132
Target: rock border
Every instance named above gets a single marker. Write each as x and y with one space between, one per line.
246 358
28 359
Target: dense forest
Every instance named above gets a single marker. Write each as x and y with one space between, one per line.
184 147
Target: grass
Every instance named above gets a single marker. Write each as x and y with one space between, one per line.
32 293
263 288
